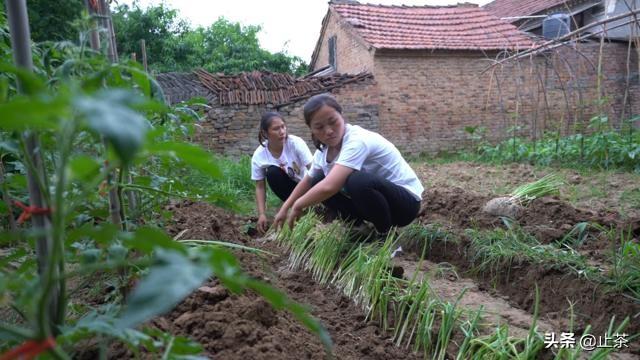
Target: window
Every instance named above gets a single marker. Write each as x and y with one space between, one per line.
332 52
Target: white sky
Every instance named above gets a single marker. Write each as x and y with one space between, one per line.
290 25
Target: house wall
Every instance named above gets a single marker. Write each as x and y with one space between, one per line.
233 130
427 99
353 54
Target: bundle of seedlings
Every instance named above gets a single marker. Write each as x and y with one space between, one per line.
512 206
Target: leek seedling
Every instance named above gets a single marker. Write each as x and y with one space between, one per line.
329 243
469 328
534 341
408 315
603 352
498 345
300 231
417 237
424 337
449 316
625 273
349 275
567 353
378 274
548 185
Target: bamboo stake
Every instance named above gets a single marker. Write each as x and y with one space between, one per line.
568 36
114 203
94 37
47 268
143 50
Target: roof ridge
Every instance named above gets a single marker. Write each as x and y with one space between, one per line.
402 6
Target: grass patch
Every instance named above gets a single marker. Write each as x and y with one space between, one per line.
497 249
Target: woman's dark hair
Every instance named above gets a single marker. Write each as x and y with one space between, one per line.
313 105
265 123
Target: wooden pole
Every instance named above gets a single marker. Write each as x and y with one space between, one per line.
143 49
114 203
21 46
94 37
108 24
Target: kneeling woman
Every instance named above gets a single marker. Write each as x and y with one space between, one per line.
355 171
281 159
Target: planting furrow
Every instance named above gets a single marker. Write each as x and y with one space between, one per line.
497 311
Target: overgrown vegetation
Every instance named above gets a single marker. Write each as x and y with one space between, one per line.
410 310
174 45
72 132
603 147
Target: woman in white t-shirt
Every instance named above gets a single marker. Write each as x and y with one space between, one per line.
281 159
356 172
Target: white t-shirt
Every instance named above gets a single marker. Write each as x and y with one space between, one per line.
294 159
367 151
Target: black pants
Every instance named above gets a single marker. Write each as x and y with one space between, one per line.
279 182
375 199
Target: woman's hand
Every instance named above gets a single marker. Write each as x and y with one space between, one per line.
263 224
280 218
294 215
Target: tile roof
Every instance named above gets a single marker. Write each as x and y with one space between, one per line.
509 8
263 87
462 27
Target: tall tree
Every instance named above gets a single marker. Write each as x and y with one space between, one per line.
51 20
173 45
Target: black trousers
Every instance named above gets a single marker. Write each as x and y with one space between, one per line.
279 182
375 199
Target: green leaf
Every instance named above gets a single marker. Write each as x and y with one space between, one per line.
8 146
83 168
103 234
168 282
39 113
31 83
109 113
147 239
189 154
117 252
141 79
225 266
102 324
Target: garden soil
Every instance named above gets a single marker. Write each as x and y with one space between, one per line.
244 326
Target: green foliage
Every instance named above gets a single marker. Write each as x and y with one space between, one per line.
173 45
625 273
50 20
602 147
74 100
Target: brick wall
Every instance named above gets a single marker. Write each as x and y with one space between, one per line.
423 101
233 130
427 99
352 53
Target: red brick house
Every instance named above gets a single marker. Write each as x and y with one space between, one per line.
430 66
426 61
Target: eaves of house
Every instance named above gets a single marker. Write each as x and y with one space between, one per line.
461 27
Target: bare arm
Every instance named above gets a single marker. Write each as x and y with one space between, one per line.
261 200
323 190
300 189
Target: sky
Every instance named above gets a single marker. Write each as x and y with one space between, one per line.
289 25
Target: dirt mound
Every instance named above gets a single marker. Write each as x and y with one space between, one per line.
206 222
547 218
244 326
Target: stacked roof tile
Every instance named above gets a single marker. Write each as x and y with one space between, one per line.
461 27
271 88
514 8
